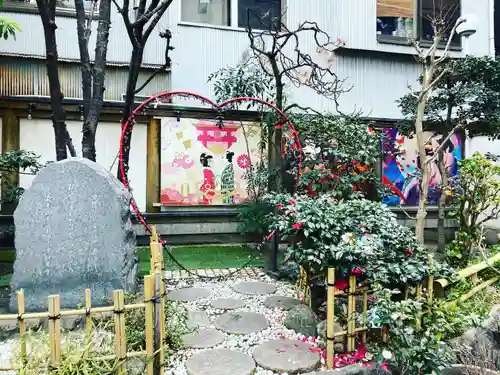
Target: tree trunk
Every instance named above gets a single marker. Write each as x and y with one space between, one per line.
135 66
442 205
47 15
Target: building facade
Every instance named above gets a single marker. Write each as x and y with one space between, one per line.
375 61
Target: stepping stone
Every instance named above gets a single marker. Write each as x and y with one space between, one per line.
197 319
204 338
188 294
254 288
289 356
227 303
241 322
282 302
220 362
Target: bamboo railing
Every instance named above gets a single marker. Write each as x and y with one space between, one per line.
153 306
351 331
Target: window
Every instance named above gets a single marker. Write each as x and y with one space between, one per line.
258 14
213 12
396 18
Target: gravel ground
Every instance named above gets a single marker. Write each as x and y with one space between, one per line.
243 343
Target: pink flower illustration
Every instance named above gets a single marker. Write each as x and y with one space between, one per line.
243 161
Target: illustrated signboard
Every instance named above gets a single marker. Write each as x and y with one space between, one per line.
400 169
204 164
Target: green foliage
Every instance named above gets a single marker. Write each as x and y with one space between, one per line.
476 199
355 234
410 348
8 28
26 162
468 93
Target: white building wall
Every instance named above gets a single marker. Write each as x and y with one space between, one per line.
107 144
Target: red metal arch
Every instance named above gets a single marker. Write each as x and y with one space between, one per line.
168 95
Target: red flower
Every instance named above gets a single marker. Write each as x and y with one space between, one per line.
357 271
409 252
292 201
341 284
298 226
383 366
279 206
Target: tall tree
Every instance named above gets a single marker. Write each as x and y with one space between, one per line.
146 18
47 10
93 75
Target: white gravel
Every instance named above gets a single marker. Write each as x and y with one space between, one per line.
243 343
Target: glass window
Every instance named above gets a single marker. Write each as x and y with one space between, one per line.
395 18
213 12
259 14
446 11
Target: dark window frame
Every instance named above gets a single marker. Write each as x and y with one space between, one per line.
242 23
12 6
417 29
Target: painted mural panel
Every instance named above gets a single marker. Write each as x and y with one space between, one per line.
400 169
203 164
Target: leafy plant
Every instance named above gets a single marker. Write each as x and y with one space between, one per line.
409 348
476 200
26 162
8 28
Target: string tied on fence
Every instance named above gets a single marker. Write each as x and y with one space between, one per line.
20 317
54 317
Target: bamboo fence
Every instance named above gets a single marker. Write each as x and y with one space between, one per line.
154 312
434 289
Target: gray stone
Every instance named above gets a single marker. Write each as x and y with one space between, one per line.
73 231
241 322
355 369
281 302
227 304
197 319
203 338
188 294
254 288
321 327
220 362
288 356
302 320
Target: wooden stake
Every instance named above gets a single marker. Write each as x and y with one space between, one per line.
149 291
351 314
22 329
88 318
120 338
55 330
153 163
330 316
430 282
365 310
160 323
10 142
418 293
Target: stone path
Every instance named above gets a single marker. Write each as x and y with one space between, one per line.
240 330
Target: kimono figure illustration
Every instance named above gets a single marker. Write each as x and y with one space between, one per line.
208 186
227 180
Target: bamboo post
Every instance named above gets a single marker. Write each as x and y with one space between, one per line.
430 281
149 291
418 293
159 323
365 312
330 316
473 278
22 329
55 330
120 339
88 318
153 250
351 314
153 164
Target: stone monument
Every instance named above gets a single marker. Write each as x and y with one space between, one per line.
73 231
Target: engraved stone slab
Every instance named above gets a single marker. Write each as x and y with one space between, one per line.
241 322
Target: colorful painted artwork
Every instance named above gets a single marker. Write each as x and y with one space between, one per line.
203 164
400 169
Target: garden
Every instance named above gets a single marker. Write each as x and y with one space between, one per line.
348 287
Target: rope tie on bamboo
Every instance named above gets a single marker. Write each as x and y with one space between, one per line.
88 311
121 311
55 317
20 316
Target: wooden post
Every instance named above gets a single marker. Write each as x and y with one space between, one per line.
159 325
149 291
22 329
418 294
10 142
153 166
55 331
88 319
330 317
365 312
430 281
351 315
120 338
